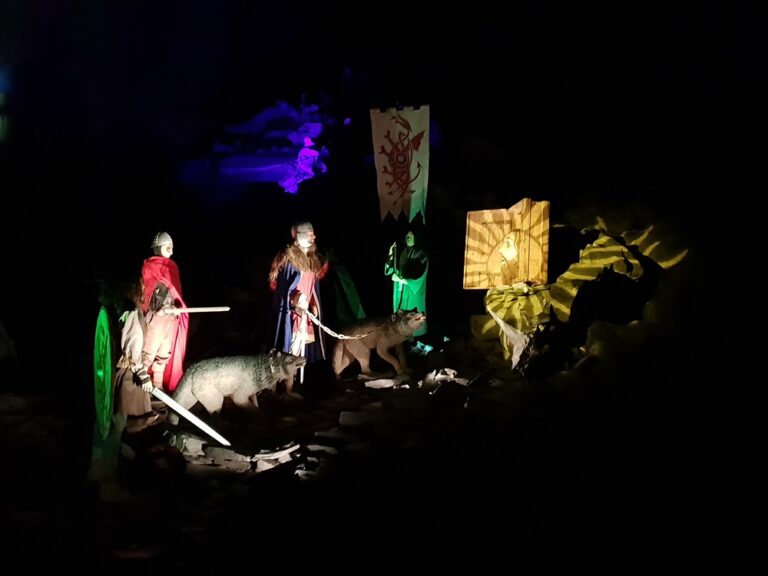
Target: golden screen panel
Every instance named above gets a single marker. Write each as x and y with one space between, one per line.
504 246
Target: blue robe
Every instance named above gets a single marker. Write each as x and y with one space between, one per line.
287 281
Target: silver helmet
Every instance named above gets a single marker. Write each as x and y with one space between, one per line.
161 239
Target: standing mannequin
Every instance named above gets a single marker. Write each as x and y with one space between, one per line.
132 398
295 278
165 342
409 278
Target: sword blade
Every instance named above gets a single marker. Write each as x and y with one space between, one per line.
303 344
179 409
193 310
204 309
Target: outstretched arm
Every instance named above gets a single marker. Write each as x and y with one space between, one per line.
390 266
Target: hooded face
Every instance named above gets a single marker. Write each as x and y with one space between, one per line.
410 240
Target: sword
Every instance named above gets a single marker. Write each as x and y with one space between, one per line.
303 344
179 409
171 310
299 343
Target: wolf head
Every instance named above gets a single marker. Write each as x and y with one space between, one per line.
284 365
408 321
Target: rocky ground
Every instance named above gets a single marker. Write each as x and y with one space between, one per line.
476 460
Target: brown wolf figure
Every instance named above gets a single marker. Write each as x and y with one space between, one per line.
385 334
239 377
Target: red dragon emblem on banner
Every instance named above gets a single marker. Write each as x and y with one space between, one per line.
400 157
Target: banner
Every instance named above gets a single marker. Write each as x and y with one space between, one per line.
401 153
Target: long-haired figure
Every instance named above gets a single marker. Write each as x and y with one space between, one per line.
295 278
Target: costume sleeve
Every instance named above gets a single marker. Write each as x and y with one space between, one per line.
132 340
287 280
389 267
415 265
415 271
416 285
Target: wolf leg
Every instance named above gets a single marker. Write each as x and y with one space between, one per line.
212 399
184 397
356 350
401 357
243 399
290 394
364 357
341 359
389 357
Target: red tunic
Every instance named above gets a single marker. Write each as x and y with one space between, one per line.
161 269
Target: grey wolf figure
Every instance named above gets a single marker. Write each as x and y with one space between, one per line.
238 377
385 334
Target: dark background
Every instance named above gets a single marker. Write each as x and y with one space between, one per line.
577 105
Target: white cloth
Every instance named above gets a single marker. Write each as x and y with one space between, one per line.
132 339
